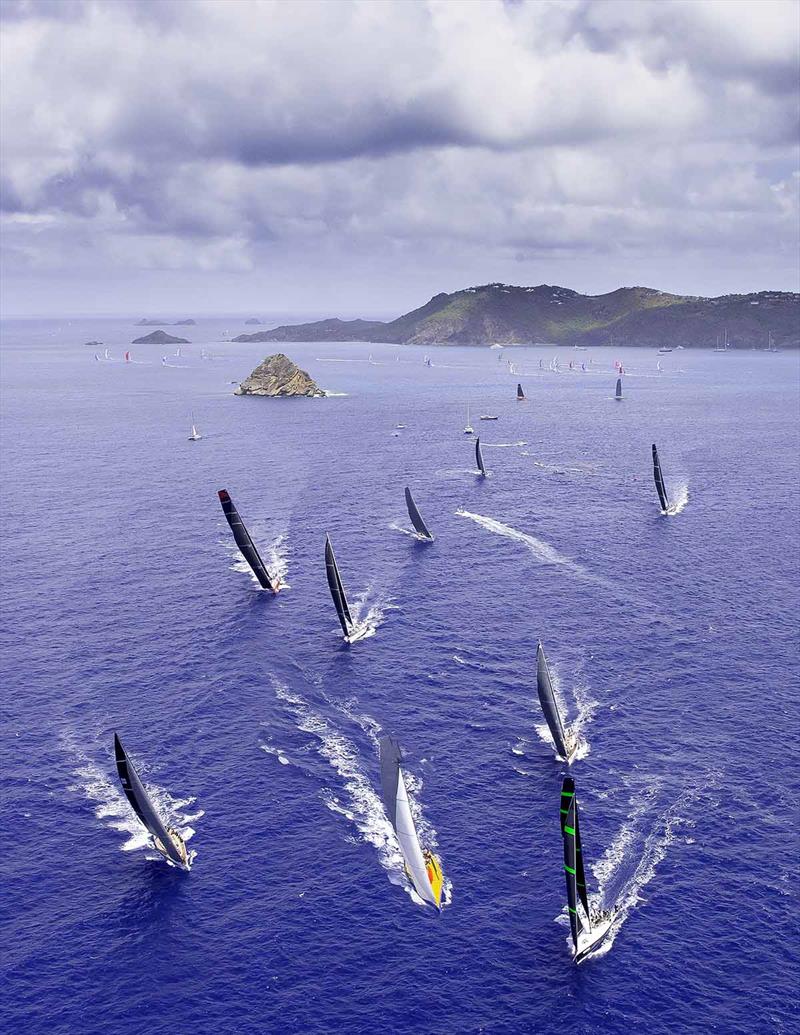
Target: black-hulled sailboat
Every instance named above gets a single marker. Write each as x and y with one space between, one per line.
246 545
520 393
659 480
566 742
422 530
618 393
350 630
589 930
479 458
166 839
422 868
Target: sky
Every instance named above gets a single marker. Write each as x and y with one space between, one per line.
357 157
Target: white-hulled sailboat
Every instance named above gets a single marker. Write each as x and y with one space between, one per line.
194 435
468 428
422 868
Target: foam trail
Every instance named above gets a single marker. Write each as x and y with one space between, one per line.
406 531
274 555
586 708
368 617
681 498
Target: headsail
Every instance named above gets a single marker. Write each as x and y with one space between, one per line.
619 388
416 517
547 699
520 393
337 589
479 457
245 543
659 480
395 798
142 806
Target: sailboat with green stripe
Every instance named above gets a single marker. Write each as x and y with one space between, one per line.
589 929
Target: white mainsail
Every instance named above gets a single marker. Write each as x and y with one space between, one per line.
410 846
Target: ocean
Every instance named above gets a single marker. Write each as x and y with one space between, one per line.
672 640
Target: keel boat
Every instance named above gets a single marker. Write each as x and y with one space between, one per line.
246 545
566 742
422 530
350 630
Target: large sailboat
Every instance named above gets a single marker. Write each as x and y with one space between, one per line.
422 530
659 480
618 393
350 630
566 743
589 929
246 544
479 458
422 868
166 839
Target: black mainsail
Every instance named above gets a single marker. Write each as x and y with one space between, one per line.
416 517
143 807
573 860
520 393
479 457
659 480
337 590
618 394
547 699
245 543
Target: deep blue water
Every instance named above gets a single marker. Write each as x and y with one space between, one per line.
673 640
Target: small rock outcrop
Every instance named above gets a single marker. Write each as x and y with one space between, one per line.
150 323
160 338
278 376
253 320
185 323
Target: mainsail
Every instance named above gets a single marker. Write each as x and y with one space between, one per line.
337 589
547 699
520 393
245 543
142 806
573 861
395 799
416 517
659 479
479 457
619 388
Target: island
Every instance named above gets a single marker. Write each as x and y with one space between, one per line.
252 320
185 323
160 338
150 323
507 315
278 376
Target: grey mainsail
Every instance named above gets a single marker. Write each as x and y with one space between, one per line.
142 805
618 394
416 517
479 457
245 543
337 589
547 699
659 480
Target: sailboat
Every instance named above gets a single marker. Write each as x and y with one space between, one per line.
618 393
422 868
468 428
106 354
166 839
589 930
566 743
195 435
350 630
479 458
127 357
422 529
659 480
520 394
246 544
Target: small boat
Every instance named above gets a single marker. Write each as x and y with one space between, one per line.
246 545
479 458
521 394
580 348
566 743
93 344
400 426
127 357
97 356
488 416
495 346
618 393
350 630
423 870
664 349
659 480
428 361
194 435
166 839
468 428
106 354
589 929
422 530
659 368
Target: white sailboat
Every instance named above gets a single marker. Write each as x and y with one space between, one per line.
468 428
195 435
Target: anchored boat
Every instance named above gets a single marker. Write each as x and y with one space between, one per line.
246 544
166 839
479 458
350 630
422 868
589 929
659 480
566 743
422 530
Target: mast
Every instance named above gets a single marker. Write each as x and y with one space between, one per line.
547 699
337 589
244 542
416 517
142 805
479 456
659 480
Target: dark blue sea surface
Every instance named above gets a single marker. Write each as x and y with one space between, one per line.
672 639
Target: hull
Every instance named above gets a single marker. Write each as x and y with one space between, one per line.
179 844
590 941
356 635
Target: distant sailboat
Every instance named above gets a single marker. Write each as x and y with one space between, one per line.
589 930
416 518
422 868
106 354
479 458
349 628
659 480
659 368
166 839
664 349
245 543
618 393
127 357
468 428
194 435
488 416
520 394
566 743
